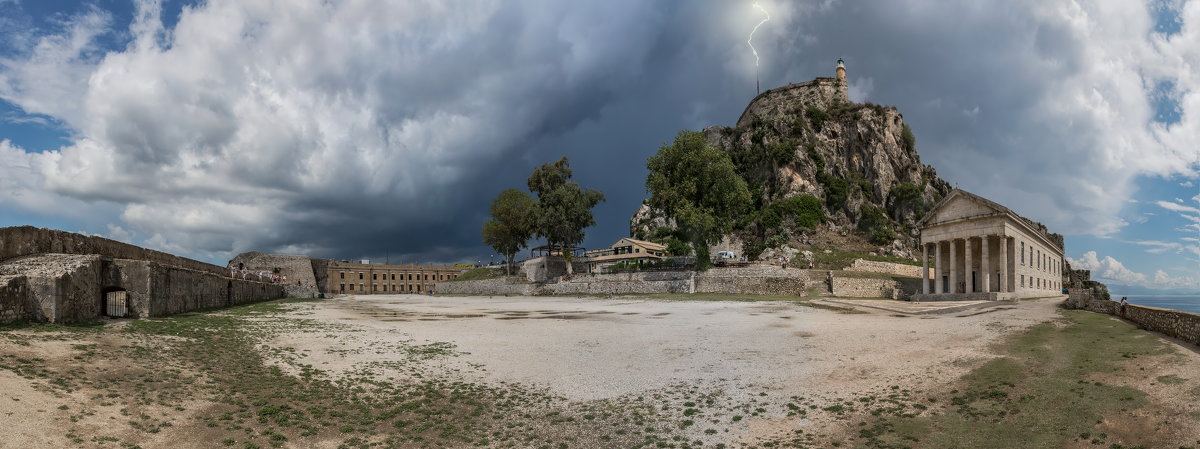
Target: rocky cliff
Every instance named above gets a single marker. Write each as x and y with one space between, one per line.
808 140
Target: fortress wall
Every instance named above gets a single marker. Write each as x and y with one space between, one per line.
623 284
494 286
158 290
296 268
15 302
19 241
1182 325
897 269
866 288
756 281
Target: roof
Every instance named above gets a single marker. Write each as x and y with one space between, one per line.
643 244
1032 226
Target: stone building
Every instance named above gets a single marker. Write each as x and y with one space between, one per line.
369 279
982 250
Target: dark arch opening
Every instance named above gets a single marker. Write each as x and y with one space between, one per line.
114 305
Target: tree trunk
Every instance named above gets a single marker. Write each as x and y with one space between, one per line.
567 259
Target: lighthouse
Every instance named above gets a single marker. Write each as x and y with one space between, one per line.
841 70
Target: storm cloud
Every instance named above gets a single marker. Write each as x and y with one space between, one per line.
383 129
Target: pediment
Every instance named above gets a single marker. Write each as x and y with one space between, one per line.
960 205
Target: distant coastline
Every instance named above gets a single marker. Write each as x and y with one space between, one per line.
1186 303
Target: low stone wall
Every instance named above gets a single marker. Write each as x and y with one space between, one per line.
872 266
20 241
759 280
623 284
867 288
56 287
1182 325
495 286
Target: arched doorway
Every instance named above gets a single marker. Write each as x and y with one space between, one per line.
114 302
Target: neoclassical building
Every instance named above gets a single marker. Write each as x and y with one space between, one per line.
982 250
371 279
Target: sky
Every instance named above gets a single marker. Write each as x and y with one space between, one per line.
361 129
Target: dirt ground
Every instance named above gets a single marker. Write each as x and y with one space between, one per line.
751 357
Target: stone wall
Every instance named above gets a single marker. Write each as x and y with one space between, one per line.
622 284
898 269
57 287
1182 325
494 286
297 268
759 280
158 290
19 241
538 269
14 300
867 288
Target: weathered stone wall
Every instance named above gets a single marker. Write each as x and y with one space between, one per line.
866 288
296 268
157 290
19 241
15 304
58 287
538 269
759 280
494 286
622 284
1182 325
898 269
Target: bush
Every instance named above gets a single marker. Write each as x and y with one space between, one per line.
817 117
805 210
874 222
907 138
837 191
908 196
782 152
678 247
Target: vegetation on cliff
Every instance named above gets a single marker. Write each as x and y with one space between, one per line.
816 164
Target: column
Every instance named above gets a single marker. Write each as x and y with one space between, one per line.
1003 264
985 266
925 268
937 268
953 267
967 265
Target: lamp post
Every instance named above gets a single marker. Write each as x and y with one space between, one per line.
491 260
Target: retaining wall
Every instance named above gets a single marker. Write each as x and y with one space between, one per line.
866 288
898 269
1182 325
157 290
19 241
495 286
764 280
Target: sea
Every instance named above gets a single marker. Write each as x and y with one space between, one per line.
1177 302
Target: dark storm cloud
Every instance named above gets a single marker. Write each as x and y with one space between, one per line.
364 130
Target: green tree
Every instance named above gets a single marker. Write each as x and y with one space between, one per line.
514 216
699 187
564 208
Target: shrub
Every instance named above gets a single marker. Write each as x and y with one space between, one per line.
817 117
907 138
874 222
837 191
805 210
908 196
782 152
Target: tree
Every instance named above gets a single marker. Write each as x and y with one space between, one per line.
699 187
514 216
564 208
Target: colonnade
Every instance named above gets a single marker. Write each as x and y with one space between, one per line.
971 259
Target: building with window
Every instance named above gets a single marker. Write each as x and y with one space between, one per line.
377 279
982 250
626 250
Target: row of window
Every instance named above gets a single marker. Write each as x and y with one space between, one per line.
342 288
1043 261
1041 284
375 276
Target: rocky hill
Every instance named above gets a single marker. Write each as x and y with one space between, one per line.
858 161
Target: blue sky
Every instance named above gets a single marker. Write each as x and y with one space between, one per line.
365 129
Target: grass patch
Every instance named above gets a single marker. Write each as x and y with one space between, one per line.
1036 394
479 273
839 260
1171 379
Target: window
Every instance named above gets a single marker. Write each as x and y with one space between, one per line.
374 276
341 287
342 275
360 275
410 276
361 287
1022 253
1022 280
393 276
351 287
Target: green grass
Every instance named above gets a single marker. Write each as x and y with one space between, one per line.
839 260
1037 394
480 273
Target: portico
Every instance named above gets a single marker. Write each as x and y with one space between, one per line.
982 250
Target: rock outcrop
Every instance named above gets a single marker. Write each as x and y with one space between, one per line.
859 159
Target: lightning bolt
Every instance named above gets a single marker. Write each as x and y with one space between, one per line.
751 39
